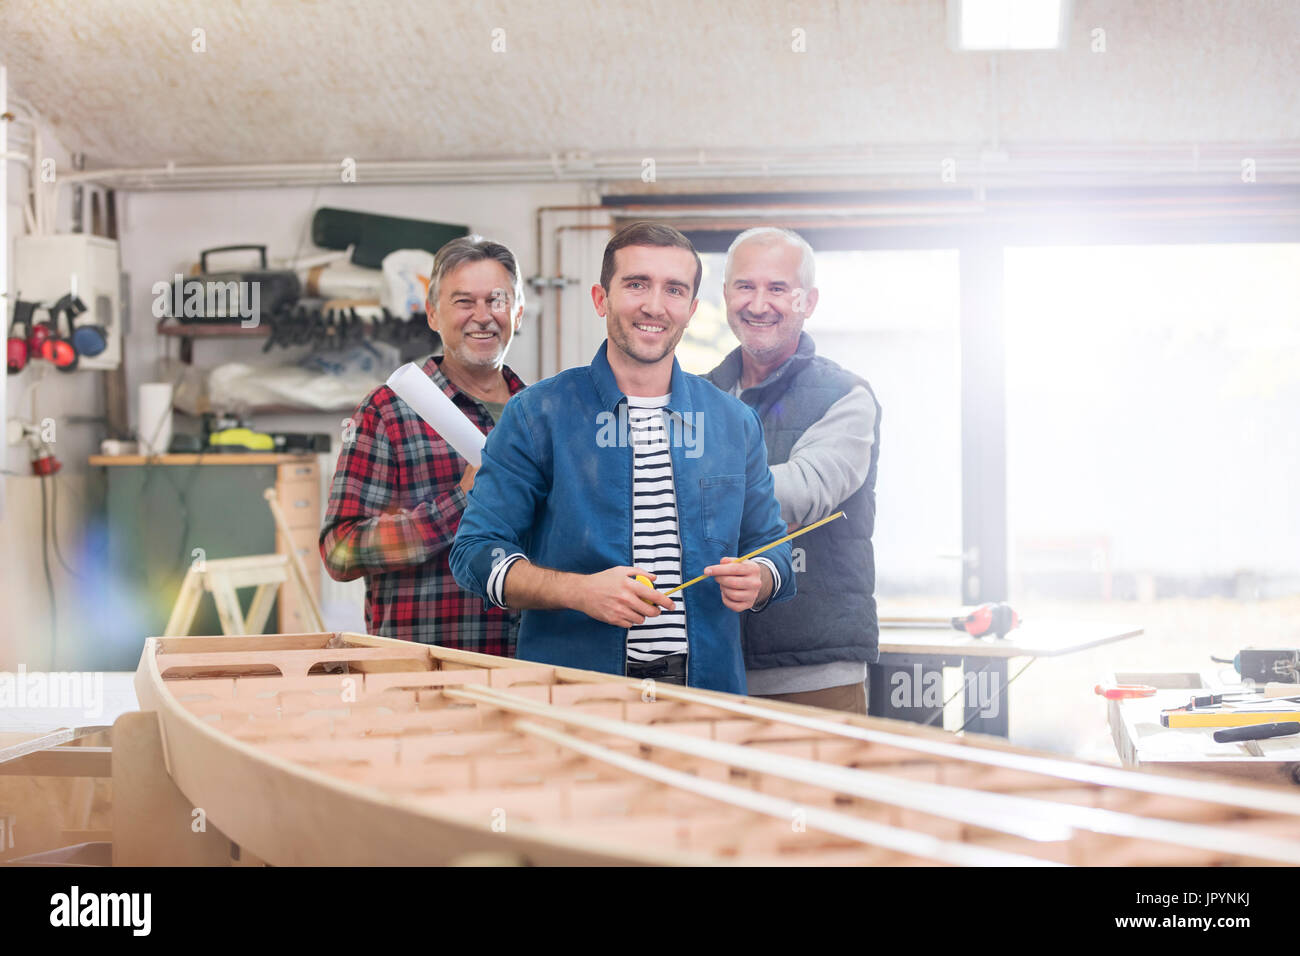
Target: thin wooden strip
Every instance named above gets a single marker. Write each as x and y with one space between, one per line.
1005 813
826 821
313 655
1267 801
947 802
290 663
242 642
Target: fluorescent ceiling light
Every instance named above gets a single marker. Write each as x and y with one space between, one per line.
1007 24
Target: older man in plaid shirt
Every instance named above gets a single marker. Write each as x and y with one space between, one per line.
399 489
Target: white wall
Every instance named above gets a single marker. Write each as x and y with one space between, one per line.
37 393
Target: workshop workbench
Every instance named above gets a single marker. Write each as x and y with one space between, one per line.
1141 741
912 661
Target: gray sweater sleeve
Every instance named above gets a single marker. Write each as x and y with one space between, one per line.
829 462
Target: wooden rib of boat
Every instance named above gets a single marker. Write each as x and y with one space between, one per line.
353 749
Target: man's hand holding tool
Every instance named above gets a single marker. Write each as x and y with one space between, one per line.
742 583
615 596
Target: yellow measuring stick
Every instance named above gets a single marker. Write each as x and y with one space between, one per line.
1225 718
793 534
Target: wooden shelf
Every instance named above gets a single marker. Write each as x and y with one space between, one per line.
207 330
210 330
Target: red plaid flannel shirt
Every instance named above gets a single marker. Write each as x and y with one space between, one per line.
395 505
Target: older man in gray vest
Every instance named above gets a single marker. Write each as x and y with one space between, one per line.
822 427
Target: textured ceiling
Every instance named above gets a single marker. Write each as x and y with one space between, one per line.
412 79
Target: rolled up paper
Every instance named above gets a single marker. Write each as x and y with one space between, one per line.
440 412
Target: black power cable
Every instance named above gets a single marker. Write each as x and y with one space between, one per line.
54 520
49 578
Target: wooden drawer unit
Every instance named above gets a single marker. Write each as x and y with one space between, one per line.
295 618
298 471
300 502
298 490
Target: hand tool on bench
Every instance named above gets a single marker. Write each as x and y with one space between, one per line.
1124 691
992 618
1225 717
1283 728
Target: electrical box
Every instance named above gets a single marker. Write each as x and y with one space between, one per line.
46 268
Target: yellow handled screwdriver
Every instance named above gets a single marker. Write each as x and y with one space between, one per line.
642 579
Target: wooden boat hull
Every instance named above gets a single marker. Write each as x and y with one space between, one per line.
346 749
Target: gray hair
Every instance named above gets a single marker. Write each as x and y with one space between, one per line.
807 260
474 248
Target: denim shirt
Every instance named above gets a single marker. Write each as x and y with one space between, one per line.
556 485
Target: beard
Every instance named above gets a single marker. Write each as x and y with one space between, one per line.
469 355
765 343
625 337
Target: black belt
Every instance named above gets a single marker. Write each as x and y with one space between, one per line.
671 669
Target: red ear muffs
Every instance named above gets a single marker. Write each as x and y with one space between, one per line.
57 349
16 354
17 349
61 353
36 340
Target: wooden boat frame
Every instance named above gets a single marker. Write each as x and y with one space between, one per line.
349 749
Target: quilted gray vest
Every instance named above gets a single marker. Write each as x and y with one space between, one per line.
833 615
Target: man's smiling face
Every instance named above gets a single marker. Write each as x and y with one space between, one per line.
766 307
476 314
649 302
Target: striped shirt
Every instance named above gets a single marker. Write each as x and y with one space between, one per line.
656 546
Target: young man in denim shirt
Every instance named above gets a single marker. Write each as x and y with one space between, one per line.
629 466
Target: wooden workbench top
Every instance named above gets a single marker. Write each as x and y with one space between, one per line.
1142 741
207 458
